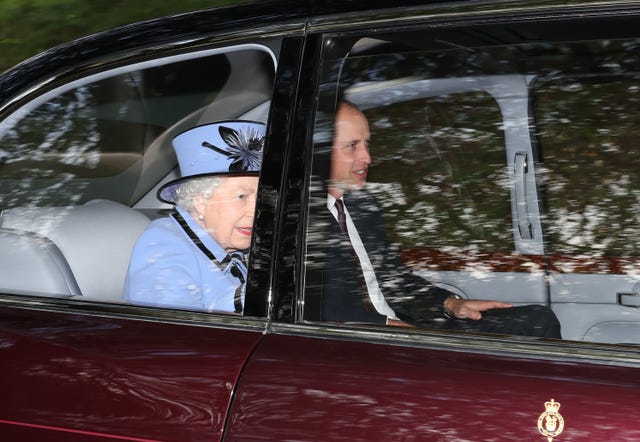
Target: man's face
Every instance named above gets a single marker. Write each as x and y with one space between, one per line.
350 153
229 211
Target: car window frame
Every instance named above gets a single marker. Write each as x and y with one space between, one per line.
107 63
562 351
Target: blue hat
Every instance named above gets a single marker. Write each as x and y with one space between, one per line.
216 149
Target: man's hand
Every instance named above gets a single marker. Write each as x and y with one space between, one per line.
465 308
397 323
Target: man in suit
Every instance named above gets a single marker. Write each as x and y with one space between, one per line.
364 279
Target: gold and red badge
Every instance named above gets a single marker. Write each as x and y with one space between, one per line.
550 422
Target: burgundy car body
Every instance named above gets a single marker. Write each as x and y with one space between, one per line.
77 370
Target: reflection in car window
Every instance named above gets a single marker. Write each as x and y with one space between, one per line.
591 163
97 138
497 169
358 249
80 165
439 172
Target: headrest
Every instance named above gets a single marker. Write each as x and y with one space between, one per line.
34 266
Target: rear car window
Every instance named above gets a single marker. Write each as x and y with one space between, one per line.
504 165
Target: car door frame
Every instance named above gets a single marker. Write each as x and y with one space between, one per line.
304 365
130 351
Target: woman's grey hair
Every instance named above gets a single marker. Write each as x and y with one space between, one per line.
186 192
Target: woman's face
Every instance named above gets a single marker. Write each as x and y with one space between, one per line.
228 212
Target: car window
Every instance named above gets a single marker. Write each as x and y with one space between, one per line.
591 164
587 132
454 145
498 171
96 135
81 162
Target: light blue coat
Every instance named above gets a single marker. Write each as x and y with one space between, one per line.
168 269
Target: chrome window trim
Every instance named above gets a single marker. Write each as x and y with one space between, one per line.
559 351
465 12
106 62
163 315
15 117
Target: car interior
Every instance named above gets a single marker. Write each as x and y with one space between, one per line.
519 105
85 202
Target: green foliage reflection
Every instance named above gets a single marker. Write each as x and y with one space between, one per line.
439 170
589 130
28 27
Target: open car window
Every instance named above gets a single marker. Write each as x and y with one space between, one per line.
82 161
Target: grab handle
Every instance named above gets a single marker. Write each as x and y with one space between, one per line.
520 170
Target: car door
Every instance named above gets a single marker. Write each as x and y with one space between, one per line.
328 380
71 376
335 383
502 175
85 143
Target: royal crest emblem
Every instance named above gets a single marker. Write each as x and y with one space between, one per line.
550 422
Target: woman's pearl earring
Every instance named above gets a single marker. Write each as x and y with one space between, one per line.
200 216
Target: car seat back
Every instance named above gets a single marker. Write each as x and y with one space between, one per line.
95 238
33 264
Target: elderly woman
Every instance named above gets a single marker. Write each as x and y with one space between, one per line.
195 258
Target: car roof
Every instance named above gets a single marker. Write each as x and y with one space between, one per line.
190 26
150 33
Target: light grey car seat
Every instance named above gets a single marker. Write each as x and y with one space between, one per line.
33 264
95 239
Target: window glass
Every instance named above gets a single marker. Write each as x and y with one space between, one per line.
588 130
491 163
93 138
90 177
438 170
438 177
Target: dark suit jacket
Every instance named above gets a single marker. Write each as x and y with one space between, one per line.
341 287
